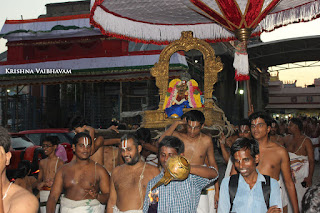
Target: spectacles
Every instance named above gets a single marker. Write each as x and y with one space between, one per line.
46 146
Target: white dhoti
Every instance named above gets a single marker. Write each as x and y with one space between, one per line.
44 194
77 206
116 210
206 202
300 170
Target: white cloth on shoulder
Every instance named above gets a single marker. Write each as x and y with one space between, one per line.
116 210
300 170
44 194
152 159
77 206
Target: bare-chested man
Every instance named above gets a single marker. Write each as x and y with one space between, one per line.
301 156
273 158
129 181
243 132
48 168
14 197
275 133
198 149
78 124
85 183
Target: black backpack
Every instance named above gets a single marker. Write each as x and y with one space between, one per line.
233 187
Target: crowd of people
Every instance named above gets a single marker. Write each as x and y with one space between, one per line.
270 167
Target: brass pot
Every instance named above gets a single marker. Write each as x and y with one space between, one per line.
177 168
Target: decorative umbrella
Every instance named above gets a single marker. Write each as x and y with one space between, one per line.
160 22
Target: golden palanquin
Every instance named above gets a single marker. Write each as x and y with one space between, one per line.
212 65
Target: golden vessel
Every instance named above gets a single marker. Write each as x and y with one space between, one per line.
177 168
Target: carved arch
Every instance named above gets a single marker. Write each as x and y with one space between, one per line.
212 65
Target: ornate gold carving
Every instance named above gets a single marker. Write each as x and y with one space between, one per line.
212 65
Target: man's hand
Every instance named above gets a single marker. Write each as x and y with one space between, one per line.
40 185
308 180
92 192
182 122
49 182
274 209
216 200
114 128
88 128
222 139
251 110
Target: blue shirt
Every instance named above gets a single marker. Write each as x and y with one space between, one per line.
177 196
248 200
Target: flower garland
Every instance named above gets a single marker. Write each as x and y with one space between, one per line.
192 102
194 99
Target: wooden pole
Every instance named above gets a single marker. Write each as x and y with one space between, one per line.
250 106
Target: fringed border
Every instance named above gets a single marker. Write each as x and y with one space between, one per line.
112 25
155 34
303 13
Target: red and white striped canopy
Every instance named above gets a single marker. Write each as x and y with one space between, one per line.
154 21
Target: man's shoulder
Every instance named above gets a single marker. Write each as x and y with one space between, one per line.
273 146
280 150
180 135
66 167
21 195
101 168
152 169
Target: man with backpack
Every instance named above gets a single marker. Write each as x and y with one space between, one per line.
249 191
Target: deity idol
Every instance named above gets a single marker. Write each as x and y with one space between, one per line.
181 94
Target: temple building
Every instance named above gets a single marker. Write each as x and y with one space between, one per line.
58 66
287 100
